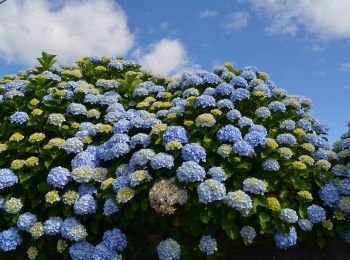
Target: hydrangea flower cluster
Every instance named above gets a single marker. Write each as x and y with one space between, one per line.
104 147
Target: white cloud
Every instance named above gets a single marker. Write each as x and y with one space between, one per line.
326 19
168 57
345 66
70 29
236 20
208 13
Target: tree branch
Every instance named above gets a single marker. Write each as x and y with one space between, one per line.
3 1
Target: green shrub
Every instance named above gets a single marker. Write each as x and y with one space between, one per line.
96 150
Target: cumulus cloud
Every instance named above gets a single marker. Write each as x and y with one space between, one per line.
208 13
236 20
325 19
168 57
70 29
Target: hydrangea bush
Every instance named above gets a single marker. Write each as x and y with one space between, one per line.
336 191
102 159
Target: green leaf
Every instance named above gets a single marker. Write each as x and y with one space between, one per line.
47 164
321 242
43 187
244 165
206 215
144 204
263 219
46 61
94 226
230 228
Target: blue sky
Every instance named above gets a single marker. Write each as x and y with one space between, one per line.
304 48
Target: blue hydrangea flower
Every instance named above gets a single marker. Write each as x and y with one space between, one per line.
340 170
141 157
175 133
208 245
288 125
316 214
122 126
138 177
76 109
53 225
110 207
270 165
322 154
329 194
239 81
224 89
209 91
7 178
58 177
210 78
243 148
115 239
240 94
82 250
263 112
118 150
86 158
140 139
120 182
225 103
258 128
86 189
73 145
211 190
315 139
248 74
72 229
86 204
245 121
320 127
204 101
286 139
107 83
344 186
254 185
190 92
305 224
51 76
168 249
19 118
304 124
229 133
217 173
162 160
233 114
26 220
115 64
283 241
263 88
2 200
190 171
277 106
102 252
10 239
288 215
193 152
240 201
255 138
248 234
